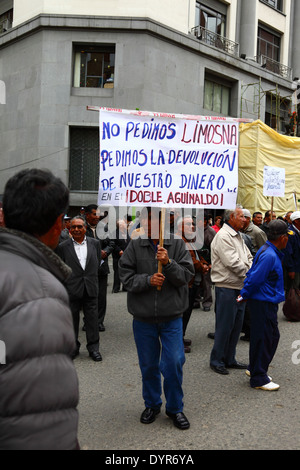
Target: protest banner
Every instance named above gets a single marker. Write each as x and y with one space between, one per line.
274 183
167 160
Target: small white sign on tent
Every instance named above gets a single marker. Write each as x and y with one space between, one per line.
274 183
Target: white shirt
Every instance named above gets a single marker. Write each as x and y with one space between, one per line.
81 251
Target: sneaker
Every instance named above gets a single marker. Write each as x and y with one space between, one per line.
271 386
247 372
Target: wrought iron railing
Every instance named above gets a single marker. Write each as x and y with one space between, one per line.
274 66
5 25
216 40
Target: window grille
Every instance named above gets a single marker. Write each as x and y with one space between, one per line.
84 159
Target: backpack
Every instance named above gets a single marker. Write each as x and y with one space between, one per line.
291 307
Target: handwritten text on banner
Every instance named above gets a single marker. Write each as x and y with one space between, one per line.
160 161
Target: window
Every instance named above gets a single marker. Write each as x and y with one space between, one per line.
268 44
276 4
84 159
210 19
216 97
278 113
94 66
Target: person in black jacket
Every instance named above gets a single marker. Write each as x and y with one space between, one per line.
98 230
121 241
291 261
83 255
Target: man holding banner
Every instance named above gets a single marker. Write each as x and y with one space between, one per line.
164 161
157 301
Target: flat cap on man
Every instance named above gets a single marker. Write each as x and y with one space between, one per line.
295 215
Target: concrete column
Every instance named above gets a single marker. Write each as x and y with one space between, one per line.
295 39
248 28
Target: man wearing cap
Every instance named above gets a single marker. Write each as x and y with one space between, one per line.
258 236
65 233
291 261
264 290
258 239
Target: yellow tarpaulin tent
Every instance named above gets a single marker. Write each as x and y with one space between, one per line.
261 146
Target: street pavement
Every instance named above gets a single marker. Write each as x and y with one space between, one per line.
224 412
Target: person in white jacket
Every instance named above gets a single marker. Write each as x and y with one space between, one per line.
231 259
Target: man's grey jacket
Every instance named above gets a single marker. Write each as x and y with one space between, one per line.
38 384
136 266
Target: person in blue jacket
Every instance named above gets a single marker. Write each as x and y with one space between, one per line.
264 290
291 261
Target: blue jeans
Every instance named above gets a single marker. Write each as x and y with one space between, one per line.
229 322
161 351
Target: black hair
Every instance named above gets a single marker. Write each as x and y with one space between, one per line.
90 208
32 201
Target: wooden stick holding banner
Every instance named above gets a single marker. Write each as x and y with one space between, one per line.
161 237
272 205
295 200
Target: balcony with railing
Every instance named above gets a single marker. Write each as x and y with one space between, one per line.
6 20
274 66
216 40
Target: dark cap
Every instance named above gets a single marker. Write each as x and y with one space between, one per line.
277 227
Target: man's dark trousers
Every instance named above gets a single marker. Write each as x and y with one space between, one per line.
89 305
264 338
229 321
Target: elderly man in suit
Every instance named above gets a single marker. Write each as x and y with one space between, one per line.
83 255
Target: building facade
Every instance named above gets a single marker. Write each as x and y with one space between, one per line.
210 57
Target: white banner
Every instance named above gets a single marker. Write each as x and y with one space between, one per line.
153 159
274 181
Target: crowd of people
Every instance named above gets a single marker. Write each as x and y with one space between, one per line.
53 266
